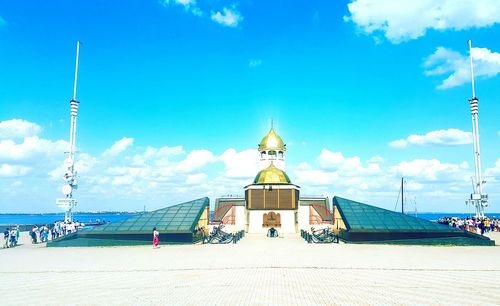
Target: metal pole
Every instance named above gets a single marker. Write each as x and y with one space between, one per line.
402 199
74 107
73 113
474 107
471 68
76 69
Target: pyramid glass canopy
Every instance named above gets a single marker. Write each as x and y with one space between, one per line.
176 224
363 217
175 219
370 224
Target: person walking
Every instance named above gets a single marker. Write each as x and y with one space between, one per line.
41 234
13 241
17 233
156 238
45 234
6 235
481 227
33 236
36 231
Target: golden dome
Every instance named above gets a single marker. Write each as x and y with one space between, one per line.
271 141
271 175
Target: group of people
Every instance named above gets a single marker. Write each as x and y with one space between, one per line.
472 224
11 237
56 230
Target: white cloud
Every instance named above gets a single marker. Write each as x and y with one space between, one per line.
431 170
351 165
398 144
119 146
303 166
240 164
18 128
494 171
17 184
198 178
400 21
195 160
126 180
189 5
376 159
84 165
316 176
160 157
7 170
165 152
431 180
164 175
184 3
228 17
32 148
413 185
457 66
340 174
252 63
449 137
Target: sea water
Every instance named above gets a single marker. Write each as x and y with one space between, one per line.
41 219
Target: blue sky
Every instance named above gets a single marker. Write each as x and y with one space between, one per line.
175 96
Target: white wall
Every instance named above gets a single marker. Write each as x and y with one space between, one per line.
240 221
240 218
255 218
304 217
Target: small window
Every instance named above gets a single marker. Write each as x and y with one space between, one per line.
280 154
272 153
262 154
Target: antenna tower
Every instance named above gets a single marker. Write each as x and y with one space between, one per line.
71 184
477 198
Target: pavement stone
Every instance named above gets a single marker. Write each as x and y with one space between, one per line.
256 271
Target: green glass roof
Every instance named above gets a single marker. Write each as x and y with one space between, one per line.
365 218
180 218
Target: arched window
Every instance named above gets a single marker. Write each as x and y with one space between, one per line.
272 154
280 154
262 154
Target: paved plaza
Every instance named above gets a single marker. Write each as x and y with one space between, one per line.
256 271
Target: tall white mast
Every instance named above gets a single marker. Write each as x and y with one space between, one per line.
69 202
477 198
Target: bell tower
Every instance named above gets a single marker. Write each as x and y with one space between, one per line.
272 149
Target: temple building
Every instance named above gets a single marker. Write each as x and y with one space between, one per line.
272 200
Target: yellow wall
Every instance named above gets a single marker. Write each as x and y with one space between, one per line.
203 222
338 223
